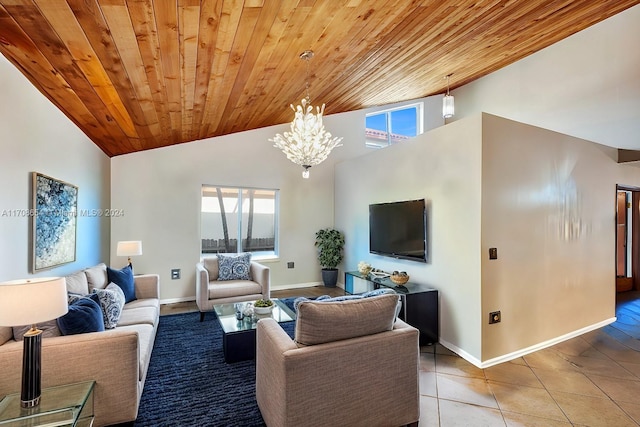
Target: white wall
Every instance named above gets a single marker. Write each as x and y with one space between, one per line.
586 85
492 182
36 137
444 167
548 206
160 192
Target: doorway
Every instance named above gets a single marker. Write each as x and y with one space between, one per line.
627 238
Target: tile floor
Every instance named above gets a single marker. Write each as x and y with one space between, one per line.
591 380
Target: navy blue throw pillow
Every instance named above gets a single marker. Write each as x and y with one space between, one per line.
124 279
85 315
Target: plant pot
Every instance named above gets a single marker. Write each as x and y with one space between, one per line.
330 277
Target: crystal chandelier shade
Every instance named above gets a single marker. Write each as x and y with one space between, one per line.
308 143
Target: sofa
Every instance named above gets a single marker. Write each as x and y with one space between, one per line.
116 359
245 284
352 363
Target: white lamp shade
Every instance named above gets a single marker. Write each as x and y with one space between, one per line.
30 301
448 107
129 248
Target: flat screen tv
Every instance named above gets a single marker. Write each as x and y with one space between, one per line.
399 229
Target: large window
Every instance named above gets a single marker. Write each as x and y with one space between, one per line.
239 220
387 127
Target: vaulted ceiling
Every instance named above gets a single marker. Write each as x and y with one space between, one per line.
141 74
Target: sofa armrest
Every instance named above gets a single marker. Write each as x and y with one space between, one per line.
271 344
147 286
202 285
110 358
260 274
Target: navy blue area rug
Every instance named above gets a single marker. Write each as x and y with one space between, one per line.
189 383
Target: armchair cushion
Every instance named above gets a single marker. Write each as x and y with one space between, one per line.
325 321
234 267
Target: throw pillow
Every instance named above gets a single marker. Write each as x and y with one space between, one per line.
325 321
124 279
234 267
111 303
48 328
6 333
84 316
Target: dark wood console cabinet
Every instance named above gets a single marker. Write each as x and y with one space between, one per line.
419 302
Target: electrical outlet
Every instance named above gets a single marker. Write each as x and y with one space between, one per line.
175 273
290 264
494 317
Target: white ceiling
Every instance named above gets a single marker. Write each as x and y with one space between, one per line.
587 85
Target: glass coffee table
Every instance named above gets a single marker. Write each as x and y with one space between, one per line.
239 335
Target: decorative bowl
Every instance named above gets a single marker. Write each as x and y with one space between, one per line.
398 279
262 310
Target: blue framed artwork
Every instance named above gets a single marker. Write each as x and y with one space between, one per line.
54 220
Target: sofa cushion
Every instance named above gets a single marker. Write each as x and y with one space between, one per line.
124 279
77 283
97 277
6 333
111 303
49 329
325 321
84 316
138 316
234 266
142 302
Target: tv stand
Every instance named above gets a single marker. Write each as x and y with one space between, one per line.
419 302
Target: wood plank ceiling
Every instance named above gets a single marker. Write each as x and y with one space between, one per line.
140 74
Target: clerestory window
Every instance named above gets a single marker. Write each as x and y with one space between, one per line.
387 127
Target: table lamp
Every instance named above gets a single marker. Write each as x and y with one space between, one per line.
27 302
129 248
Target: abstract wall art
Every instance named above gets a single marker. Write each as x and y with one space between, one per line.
54 209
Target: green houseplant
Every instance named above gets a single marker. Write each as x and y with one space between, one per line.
330 243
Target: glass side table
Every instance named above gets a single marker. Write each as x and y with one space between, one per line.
67 405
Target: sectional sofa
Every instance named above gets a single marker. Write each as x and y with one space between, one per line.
116 359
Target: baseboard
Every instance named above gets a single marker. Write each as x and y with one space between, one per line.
301 285
528 350
176 300
273 288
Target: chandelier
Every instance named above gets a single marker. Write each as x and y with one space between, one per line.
448 108
308 143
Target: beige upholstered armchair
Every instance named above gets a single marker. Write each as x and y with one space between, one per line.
210 290
351 364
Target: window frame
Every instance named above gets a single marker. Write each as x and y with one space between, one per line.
419 107
263 255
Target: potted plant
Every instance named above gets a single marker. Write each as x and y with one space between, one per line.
330 243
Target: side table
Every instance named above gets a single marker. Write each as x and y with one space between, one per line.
67 405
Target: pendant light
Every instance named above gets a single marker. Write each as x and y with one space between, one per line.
448 107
